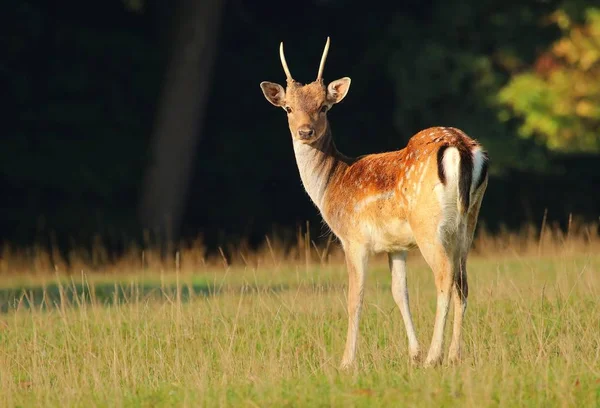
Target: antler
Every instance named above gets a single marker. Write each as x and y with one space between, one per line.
323 58
285 66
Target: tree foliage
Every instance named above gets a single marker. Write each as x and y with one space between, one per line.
558 98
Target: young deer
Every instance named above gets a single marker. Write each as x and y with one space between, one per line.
427 195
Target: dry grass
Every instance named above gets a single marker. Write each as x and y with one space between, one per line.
267 329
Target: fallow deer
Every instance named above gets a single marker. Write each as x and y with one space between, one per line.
427 195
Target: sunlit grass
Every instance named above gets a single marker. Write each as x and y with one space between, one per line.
274 336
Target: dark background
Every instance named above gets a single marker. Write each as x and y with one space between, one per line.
84 83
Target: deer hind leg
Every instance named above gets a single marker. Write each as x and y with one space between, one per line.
444 267
356 261
397 263
437 244
460 294
461 286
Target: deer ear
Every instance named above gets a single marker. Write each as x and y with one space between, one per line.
273 92
337 90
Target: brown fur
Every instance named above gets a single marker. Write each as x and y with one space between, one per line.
375 173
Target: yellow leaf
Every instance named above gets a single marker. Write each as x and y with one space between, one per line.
585 109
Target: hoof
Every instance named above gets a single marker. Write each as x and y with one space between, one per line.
415 357
346 365
454 355
454 359
432 362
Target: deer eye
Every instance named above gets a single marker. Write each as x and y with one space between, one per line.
288 109
324 108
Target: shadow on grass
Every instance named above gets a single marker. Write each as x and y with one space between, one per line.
71 294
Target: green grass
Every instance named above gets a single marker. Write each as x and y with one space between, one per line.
274 337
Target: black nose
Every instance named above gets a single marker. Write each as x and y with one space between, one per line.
305 133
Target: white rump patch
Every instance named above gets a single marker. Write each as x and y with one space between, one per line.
478 163
451 165
448 194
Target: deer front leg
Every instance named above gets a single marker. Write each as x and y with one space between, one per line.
356 261
397 262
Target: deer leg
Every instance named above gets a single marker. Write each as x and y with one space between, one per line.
397 262
460 293
356 260
461 286
442 264
444 277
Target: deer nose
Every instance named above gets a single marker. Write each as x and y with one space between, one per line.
306 132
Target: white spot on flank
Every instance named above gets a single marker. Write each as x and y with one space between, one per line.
420 183
371 199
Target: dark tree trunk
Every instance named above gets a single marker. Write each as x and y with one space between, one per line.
180 115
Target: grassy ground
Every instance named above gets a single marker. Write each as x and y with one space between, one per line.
274 337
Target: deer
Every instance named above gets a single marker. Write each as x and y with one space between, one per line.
427 196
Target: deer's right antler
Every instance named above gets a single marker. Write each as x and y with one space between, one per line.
285 66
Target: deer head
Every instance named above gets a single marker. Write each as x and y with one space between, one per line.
306 105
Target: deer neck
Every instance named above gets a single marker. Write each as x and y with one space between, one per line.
319 164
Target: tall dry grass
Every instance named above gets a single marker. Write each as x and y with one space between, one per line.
547 239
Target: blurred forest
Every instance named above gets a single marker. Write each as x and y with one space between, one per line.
121 115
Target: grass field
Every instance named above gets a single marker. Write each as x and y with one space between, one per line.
274 336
